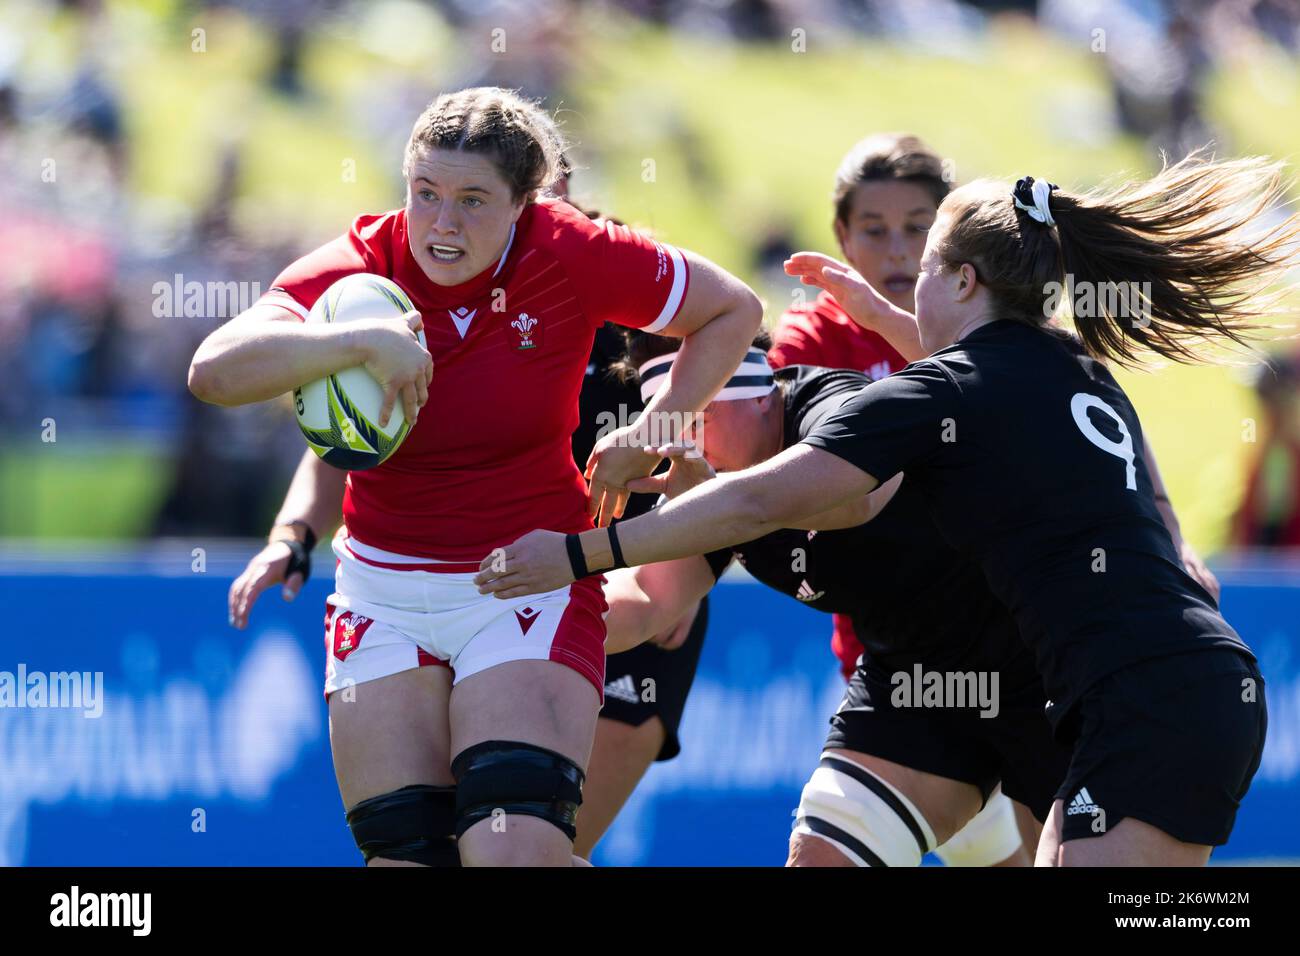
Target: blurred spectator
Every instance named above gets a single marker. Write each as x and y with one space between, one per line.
1269 513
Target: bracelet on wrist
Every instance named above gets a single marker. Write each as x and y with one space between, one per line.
578 557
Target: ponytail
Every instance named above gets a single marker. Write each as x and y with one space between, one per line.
1164 265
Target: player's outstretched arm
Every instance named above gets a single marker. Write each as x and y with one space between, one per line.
855 512
725 511
737 507
314 501
266 351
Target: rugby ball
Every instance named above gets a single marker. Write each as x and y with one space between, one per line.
339 414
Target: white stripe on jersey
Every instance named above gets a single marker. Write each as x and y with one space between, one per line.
675 294
378 554
281 298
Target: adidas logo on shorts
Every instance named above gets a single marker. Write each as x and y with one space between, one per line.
1082 803
623 689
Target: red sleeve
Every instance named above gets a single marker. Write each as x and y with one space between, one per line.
796 342
625 276
845 644
365 248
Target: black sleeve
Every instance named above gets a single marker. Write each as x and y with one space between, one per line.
898 422
718 561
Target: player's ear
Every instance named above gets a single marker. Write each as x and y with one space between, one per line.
967 280
842 235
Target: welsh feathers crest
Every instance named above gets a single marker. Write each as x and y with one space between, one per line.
526 326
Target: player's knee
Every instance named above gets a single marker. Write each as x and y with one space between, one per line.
860 816
498 779
415 824
809 850
990 837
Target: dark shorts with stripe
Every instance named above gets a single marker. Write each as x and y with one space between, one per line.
1015 747
649 681
1173 742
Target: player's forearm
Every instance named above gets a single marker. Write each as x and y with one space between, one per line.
247 360
734 508
708 357
315 496
728 510
899 329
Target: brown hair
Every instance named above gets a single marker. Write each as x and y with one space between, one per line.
1189 239
522 141
643 346
888 156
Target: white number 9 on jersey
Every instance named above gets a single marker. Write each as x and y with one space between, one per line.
1079 406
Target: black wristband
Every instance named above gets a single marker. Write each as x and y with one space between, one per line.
308 535
577 560
616 548
299 558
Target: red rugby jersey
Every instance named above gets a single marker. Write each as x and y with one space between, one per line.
490 457
821 333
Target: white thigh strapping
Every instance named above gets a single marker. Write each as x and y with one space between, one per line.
989 838
862 816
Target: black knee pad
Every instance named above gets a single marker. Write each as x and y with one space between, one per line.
414 824
516 778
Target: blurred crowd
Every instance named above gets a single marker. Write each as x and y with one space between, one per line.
83 247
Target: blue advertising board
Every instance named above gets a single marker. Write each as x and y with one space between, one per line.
191 743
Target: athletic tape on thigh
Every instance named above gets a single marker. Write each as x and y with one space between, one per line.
989 838
868 820
414 824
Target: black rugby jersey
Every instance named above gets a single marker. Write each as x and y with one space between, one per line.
912 598
1029 456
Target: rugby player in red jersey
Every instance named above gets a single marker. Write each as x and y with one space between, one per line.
510 288
634 729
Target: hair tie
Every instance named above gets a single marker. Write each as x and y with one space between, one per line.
1033 197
